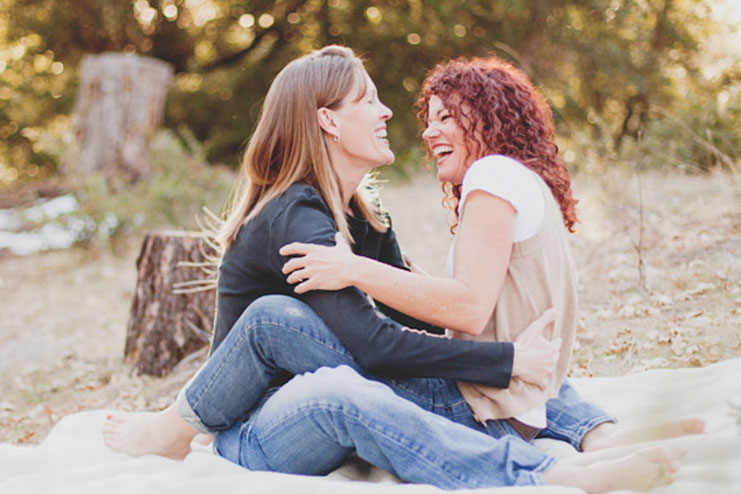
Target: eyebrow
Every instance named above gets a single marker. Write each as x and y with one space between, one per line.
363 94
437 113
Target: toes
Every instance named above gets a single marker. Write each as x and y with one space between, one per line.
694 426
660 455
672 467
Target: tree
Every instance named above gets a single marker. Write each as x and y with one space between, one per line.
615 68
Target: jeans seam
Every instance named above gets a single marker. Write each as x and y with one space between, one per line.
219 370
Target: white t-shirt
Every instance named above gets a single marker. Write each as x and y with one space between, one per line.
512 181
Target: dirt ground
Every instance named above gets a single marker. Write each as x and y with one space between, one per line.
659 258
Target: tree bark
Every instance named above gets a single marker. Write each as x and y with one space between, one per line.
119 106
173 308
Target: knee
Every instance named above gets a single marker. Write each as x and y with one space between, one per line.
339 385
269 306
277 309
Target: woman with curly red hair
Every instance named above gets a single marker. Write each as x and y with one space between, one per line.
361 382
492 136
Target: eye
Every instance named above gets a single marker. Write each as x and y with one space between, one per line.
444 117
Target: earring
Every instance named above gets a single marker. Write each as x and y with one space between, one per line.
336 138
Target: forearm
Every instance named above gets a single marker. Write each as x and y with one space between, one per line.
445 302
382 348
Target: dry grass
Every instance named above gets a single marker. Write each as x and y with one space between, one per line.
65 313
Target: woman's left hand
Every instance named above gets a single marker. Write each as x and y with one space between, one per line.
318 267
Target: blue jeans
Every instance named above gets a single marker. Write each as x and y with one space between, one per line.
279 335
315 421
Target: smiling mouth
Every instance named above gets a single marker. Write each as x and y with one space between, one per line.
442 152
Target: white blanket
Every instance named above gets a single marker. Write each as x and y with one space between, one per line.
73 459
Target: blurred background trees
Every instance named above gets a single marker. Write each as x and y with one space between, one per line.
655 79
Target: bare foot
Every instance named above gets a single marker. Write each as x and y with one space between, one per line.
144 433
204 439
641 471
610 435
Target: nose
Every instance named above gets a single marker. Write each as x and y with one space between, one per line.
386 112
430 131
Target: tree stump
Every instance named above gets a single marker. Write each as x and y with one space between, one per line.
119 106
173 308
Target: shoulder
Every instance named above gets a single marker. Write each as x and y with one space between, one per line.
293 204
503 177
510 180
295 212
497 168
301 194
300 214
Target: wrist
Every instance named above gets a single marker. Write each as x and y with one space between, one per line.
515 360
359 270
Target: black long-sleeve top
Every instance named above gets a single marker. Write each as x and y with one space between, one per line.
251 268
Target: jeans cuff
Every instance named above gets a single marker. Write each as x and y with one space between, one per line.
187 413
588 427
537 474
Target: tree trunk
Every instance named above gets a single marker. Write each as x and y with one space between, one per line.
173 308
119 106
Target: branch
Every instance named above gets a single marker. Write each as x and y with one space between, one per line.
236 57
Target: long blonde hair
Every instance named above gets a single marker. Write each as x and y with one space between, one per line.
287 145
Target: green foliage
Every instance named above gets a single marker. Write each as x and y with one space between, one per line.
614 70
180 185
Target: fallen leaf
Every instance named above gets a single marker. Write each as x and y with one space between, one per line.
26 437
627 311
695 362
679 346
691 349
661 300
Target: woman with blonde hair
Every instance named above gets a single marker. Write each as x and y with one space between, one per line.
322 128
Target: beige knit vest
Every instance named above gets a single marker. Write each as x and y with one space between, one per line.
541 274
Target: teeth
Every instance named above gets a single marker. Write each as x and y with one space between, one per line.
381 134
440 150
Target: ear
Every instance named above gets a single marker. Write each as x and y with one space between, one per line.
328 121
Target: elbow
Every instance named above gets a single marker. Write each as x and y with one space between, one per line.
382 363
477 327
473 313
369 361
476 322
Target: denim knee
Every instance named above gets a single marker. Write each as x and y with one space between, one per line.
340 385
276 309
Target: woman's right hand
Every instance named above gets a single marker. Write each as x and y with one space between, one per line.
318 267
536 354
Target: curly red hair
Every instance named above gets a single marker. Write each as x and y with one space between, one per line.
500 112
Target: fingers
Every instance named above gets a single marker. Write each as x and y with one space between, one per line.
303 287
301 280
542 326
293 264
296 249
547 321
297 276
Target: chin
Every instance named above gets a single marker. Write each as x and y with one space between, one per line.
443 176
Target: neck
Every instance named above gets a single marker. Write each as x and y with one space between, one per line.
350 175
